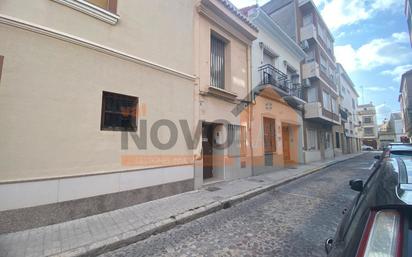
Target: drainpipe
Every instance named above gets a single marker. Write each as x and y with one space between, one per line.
251 101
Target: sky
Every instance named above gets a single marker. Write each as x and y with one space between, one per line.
372 44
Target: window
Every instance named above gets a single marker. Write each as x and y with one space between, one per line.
334 105
312 139
328 43
307 19
326 101
269 135
368 131
268 58
323 64
367 119
104 10
310 55
312 95
328 140
217 62
337 138
331 72
238 145
109 5
119 112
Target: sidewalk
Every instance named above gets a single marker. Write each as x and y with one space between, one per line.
97 234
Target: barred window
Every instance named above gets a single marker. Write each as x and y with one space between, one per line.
238 145
217 62
119 112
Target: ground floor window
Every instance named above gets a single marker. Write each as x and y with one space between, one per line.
237 134
328 140
119 112
337 138
312 139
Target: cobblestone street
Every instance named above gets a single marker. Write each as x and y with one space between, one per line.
293 220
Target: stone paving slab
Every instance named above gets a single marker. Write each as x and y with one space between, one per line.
100 233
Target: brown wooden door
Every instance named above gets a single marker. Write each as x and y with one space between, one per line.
207 145
286 143
269 140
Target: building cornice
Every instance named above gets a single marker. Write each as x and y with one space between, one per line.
219 13
236 12
17 23
264 22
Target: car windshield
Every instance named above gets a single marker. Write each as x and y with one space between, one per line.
400 153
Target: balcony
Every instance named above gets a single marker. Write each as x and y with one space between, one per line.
308 32
314 111
269 75
310 70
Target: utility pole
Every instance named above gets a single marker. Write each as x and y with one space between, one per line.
363 95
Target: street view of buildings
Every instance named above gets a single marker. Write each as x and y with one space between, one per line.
111 108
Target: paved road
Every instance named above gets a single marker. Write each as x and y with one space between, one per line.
293 220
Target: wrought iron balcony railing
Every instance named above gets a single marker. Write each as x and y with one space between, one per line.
272 76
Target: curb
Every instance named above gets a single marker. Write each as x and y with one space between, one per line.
133 236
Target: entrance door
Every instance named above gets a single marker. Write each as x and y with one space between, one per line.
207 145
269 140
286 143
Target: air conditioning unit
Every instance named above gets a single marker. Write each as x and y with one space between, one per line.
304 44
306 83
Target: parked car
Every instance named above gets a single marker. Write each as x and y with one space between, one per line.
379 221
367 148
394 150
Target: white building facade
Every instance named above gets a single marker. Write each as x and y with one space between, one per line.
368 129
348 99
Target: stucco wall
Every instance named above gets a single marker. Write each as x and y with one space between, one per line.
51 100
236 69
283 53
283 115
157 30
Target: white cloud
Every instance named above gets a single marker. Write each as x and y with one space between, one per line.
347 56
397 72
341 34
383 111
376 53
375 89
379 89
338 13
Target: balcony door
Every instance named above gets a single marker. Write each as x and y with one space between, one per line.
268 59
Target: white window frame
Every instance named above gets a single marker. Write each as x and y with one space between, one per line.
91 9
235 149
326 100
312 139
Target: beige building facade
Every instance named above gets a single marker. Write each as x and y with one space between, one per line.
277 126
79 80
223 39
